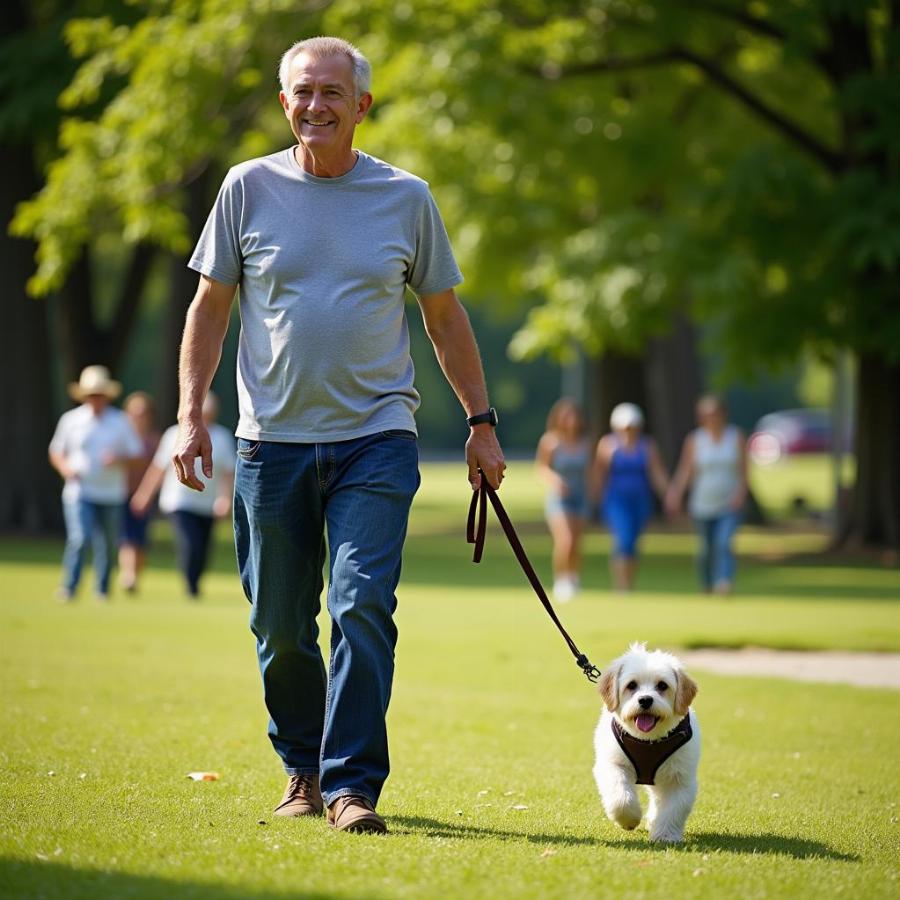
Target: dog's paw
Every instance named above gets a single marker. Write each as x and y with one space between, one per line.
666 836
627 816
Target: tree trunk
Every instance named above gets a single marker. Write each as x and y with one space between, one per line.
674 380
665 382
80 343
29 488
875 507
614 378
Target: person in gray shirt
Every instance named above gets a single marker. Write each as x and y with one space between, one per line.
323 241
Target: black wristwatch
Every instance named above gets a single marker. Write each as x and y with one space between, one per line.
487 418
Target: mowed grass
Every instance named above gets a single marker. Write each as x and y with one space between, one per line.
105 709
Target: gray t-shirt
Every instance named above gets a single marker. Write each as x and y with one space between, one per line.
322 265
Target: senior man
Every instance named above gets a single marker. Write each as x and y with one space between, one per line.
323 240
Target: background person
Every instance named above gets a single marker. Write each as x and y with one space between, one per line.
324 241
91 449
563 461
141 411
627 469
192 513
714 464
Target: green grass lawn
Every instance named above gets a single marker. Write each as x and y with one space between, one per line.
104 710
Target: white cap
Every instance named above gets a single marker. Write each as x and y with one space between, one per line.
626 415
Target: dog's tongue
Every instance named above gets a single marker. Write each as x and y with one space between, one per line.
645 722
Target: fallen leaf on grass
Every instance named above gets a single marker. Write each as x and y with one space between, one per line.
519 806
203 776
548 852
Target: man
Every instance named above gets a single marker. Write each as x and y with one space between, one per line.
91 448
323 240
191 513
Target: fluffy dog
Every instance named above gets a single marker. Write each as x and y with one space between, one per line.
647 735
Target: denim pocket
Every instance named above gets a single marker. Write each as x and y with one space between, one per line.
246 450
401 433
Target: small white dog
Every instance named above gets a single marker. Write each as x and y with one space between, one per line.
647 735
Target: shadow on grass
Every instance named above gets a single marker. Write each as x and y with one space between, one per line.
25 880
433 828
750 844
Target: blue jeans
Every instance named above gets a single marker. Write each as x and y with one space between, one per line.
192 534
716 560
287 496
95 524
626 517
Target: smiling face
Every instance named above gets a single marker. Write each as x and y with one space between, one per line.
323 109
648 692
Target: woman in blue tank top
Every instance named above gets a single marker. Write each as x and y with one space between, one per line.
563 459
627 469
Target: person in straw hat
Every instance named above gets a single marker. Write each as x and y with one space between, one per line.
91 448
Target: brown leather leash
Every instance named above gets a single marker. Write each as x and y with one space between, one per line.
476 535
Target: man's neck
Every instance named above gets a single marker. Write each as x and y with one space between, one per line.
324 167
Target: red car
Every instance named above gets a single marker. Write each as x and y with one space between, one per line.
790 431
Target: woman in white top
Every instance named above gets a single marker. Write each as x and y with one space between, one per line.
192 513
714 463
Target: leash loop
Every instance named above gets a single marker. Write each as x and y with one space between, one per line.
476 531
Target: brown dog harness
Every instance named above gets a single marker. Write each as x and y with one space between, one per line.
648 756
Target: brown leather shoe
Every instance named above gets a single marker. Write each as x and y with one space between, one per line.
301 797
355 814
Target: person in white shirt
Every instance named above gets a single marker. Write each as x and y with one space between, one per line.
192 513
714 463
91 449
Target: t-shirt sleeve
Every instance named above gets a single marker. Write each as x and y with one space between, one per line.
132 445
59 439
218 252
162 459
434 267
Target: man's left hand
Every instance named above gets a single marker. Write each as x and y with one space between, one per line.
483 453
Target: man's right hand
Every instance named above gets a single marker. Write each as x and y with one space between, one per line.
193 441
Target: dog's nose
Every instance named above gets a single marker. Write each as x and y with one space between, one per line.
645 702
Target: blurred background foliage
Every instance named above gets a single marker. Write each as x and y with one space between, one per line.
657 195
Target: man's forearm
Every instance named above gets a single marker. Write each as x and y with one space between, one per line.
457 352
201 352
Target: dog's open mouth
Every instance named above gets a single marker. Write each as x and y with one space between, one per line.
645 722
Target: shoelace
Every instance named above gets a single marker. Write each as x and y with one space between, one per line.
301 786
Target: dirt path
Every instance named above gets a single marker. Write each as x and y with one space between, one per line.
880 670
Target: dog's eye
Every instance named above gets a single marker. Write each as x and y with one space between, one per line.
631 686
662 687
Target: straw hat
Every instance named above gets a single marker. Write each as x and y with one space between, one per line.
94 380
626 415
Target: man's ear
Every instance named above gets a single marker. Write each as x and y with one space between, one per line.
363 105
684 693
608 687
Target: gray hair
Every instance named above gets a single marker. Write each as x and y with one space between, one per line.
321 47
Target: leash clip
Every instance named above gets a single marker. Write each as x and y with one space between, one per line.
591 672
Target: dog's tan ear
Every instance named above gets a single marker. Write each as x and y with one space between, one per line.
684 693
609 688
